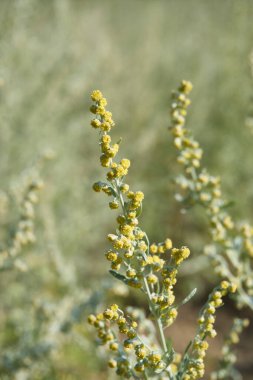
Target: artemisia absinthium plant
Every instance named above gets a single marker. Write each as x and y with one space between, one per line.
226 364
10 256
152 268
232 251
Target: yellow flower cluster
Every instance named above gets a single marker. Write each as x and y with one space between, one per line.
130 355
195 368
130 245
233 255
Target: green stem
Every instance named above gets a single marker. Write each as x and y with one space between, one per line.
158 320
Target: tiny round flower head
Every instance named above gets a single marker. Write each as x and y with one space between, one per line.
161 248
111 256
95 123
114 346
139 196
139 367
152 279
225 285
114 204
112 363
186 87
106 127
131 273
246 322
168 244
103 102
114 307
93 108
128 344
92 319
124 188
141 351
153 248
232 288
131 333
106 139
96 95
128 254
108 314
125 163
97 187
105 160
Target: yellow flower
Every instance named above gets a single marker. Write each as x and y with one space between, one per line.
125 163
186 87
96 95
112 363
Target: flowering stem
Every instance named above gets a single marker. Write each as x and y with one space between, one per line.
158 320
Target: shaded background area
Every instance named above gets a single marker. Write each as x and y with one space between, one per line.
53 53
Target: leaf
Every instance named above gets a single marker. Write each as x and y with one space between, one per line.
227 205
168 344
118 276
187 348
139 211
187 299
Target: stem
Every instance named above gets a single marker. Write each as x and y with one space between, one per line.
158 320
160 329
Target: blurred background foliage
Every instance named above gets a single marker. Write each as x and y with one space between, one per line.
53 53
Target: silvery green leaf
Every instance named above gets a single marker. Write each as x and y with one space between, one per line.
187 299
118 276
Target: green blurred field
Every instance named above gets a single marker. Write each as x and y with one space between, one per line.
52 54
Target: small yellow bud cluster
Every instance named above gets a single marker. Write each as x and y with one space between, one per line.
179 255
161 247
190 153
199 187
102 186
123 350
129 238
164 299
175 364
148 361
127 244
103 119
226 364
104 332
25 228
103 323
195 366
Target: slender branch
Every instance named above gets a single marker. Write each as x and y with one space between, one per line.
158 320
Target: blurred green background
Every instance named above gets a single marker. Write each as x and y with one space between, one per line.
52 54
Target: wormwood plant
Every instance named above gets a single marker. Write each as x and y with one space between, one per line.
226 368
26 191
232 250
137 345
